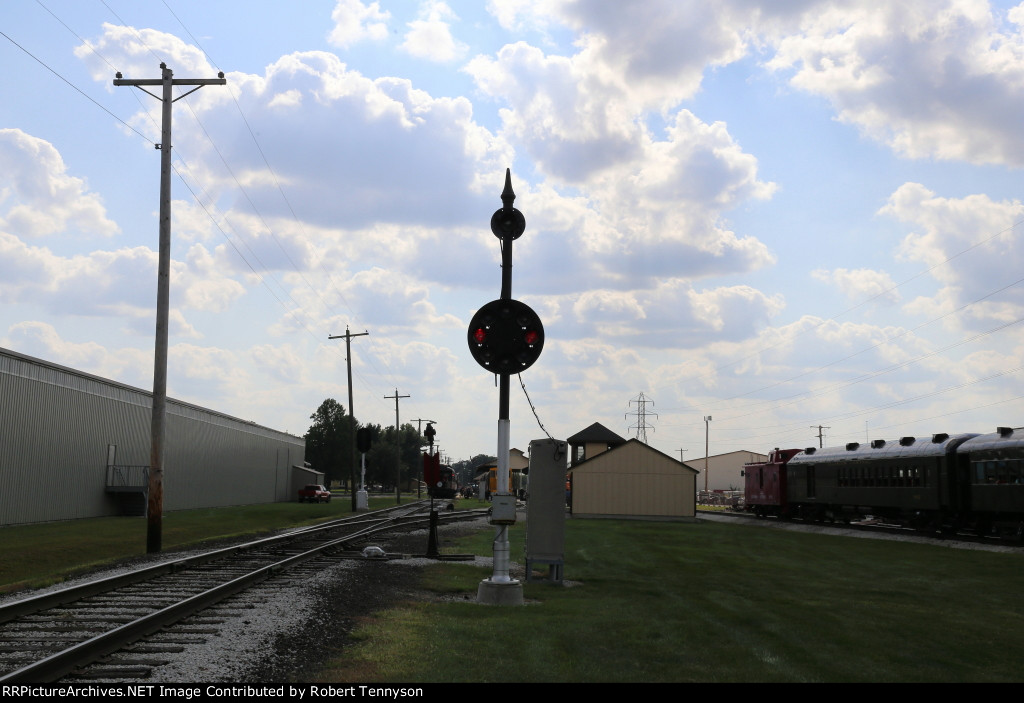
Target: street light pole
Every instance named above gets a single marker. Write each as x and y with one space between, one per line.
707 420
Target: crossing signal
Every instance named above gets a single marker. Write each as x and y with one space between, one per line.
506 336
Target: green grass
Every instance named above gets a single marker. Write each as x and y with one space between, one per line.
648 602
40 554
710 602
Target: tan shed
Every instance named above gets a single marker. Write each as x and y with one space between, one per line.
633 481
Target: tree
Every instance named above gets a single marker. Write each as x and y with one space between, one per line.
329 441
389 448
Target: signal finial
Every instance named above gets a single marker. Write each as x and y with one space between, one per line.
507 196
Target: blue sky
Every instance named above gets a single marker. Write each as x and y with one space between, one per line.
782 215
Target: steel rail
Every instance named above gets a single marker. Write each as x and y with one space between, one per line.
34 604
61 663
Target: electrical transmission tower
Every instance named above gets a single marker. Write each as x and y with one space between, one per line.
641 414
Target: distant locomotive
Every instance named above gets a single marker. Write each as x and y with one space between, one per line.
942 483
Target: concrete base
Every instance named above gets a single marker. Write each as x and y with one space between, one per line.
497 593
362 500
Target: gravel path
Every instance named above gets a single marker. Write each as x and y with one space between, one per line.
860 534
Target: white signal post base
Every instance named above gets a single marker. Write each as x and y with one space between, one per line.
362 499
493 593
500 589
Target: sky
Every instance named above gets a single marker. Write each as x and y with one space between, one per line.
782 216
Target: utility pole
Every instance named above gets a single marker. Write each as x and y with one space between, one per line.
681 455
155 505
821 436
398 455
351 413
641 414
419 423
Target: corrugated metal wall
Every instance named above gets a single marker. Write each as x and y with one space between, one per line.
56 424
724 469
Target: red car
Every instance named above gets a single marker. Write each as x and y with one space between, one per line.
314 493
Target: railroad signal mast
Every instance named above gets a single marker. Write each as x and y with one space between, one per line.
505 337
432 477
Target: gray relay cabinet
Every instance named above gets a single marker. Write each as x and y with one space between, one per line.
545 517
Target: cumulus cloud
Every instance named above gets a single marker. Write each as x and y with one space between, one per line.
41 340
572 123
38 197
397 153
930 79
355 21
654 205
200 371
134 49
656 51
397 305
627 189
861 285
971 248
280 362
430 37
118 284
672 315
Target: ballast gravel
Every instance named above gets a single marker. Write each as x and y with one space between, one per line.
286 629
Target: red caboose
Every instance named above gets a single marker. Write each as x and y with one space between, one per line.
765 483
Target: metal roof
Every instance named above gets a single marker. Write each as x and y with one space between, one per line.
1002 438
596 433
904 447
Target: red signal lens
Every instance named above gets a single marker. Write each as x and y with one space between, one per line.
480 335
531 337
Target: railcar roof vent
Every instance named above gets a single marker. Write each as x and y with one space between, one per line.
940 437
810 450
877 443
1004 431
906 441
852 446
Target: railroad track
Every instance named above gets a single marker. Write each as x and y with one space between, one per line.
165 607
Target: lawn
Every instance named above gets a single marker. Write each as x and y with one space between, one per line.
667 602
643 602
40 554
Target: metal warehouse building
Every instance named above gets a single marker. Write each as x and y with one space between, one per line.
73 445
